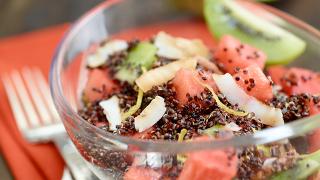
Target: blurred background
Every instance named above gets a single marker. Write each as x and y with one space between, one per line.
18 16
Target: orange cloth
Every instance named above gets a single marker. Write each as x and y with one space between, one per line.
28 161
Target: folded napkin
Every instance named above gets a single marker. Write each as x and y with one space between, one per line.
25 160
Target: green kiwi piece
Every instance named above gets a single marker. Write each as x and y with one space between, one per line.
142 55
228 17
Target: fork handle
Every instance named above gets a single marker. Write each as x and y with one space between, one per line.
74 161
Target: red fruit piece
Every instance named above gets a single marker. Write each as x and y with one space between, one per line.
296 80
315 176
313 140
276 73
141 173
314 108
186 82
210 164
99 80
299 80
146 134
233 55
254 82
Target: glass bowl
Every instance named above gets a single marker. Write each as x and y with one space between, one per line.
109 155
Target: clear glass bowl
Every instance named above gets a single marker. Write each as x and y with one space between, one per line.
110 155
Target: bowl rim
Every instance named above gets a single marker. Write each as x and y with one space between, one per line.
278 133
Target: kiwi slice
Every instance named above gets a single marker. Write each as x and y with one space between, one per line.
228 17
143 55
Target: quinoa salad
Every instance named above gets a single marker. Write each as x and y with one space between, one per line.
177 89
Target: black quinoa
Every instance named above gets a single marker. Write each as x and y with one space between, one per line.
118 161
127 95
250 163
293 107
161 61
285 158
172 173
252 159
115 60
93 113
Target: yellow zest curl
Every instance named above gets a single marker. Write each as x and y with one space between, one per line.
182 133
134 108
220 104
144 69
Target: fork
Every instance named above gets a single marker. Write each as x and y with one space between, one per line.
37 119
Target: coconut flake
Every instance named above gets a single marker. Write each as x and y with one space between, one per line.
232 127
150 159
268 162
111 109
163 74
206 63
104 52
178 48
236 95
151 114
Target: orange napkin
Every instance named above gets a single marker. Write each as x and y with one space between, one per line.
28 161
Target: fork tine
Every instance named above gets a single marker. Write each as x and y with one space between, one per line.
15 104
25 99
45 91
36 96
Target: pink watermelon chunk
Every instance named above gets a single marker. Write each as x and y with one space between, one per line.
141 173
255 83
146 134
276 73
313 139
296 80
210 164
314 108
97 80
233 55
302 81
315 176
186 82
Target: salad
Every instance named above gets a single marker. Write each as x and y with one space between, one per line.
177 89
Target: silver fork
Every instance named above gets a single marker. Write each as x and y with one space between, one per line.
37 119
